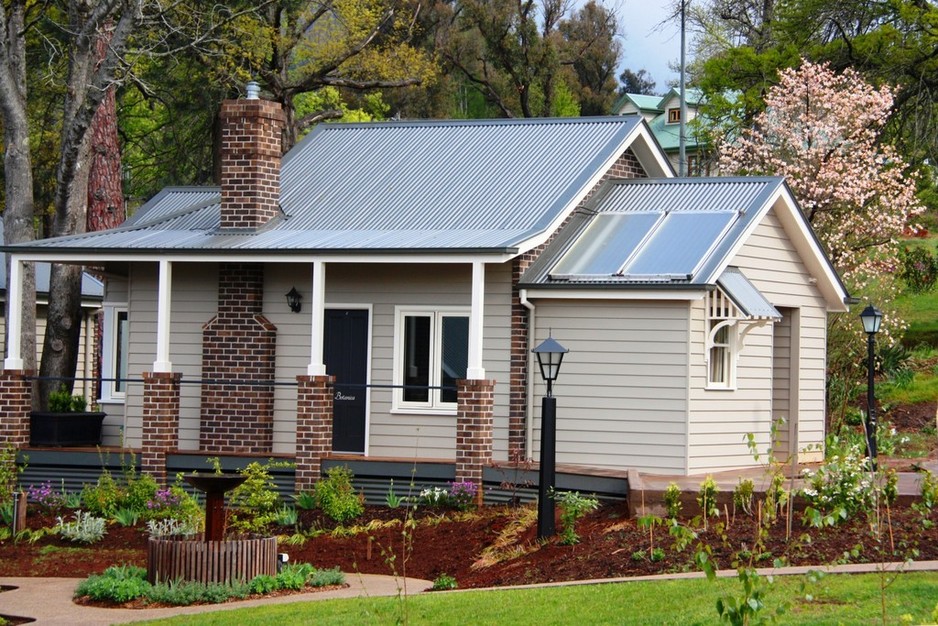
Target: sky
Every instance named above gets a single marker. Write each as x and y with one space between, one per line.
648 44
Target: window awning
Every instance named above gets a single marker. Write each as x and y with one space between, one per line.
746 297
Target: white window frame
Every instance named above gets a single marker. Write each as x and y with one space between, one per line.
109 350
674 115
721 313
434 406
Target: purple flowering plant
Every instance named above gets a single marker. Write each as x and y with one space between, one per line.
45 496
463 494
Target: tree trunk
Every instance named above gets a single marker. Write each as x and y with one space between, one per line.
17 163
106 207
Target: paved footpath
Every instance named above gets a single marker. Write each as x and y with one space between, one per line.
49 600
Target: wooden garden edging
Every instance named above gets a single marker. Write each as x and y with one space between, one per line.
210 561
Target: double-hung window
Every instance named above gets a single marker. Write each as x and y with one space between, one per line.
430 355
116 334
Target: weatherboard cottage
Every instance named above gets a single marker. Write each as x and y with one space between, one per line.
425 260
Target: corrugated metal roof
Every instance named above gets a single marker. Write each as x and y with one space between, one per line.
708 214
91 287
170 201
421 186
745 296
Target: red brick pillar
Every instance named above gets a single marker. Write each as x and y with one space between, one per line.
314 399
160 422
15 405
474 413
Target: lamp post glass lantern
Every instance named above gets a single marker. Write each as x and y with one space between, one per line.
549 357
871 318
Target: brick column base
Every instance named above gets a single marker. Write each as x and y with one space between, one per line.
15 405
474 417
314 399
160 422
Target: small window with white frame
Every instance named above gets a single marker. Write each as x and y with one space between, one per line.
116 335
430 354
722 318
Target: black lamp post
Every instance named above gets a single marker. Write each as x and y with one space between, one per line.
549 356
871 318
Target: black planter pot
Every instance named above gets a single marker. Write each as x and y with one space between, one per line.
65 429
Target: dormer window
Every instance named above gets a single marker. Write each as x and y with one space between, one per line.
674 115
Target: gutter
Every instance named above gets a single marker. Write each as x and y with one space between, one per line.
529 391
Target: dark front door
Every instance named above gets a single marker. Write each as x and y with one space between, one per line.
345 345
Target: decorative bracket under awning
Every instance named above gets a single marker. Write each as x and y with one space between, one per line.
738 305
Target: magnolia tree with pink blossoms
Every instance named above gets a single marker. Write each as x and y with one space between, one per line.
820 130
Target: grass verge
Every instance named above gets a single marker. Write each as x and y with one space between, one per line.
837 599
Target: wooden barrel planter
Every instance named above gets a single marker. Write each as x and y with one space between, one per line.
210 561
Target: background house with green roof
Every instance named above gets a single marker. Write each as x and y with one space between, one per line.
663 114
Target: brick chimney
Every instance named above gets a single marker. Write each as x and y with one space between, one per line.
250 161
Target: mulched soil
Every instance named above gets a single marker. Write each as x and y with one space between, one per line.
611 545
498 546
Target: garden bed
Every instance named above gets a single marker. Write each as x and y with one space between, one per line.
457 544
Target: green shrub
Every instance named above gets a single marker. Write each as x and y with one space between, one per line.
9 474
841 486
103 497
85 529
118 583
262 584
62 401
573 506
707 497
326 577
185 592
742 495
336 497
294 576
444 582
672 500
919 268
254 502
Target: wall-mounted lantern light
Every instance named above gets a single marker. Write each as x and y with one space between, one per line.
293 299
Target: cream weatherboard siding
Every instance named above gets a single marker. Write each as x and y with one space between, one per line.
773 266
719 418
622 389
378 288
194 302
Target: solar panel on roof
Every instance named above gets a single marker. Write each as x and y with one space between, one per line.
680 243
607 244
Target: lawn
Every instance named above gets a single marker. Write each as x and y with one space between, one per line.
837 599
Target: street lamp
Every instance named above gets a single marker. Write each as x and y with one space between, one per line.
549 356
871 318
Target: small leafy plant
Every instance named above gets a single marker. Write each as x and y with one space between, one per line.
305 500
172 527
62 401
444 582
254 502
707 498
85 529
573 506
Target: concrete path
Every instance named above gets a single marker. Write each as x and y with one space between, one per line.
49 600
